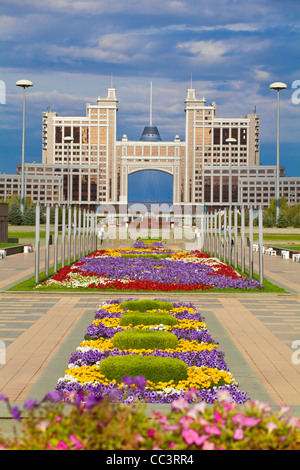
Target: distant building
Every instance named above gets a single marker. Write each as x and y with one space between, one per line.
206 169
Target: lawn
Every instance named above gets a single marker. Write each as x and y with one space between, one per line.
7 245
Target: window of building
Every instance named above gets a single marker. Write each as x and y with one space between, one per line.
58 134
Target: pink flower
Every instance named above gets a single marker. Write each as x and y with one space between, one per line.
212 430
218 417
151 432
189 436
201 439
180 405
171 427
62 446
247 421
208 446
238 435
185 421
77 443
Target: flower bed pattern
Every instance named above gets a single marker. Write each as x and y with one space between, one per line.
207 374
150 268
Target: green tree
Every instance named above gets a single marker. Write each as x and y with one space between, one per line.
282 221
296 221
14 213
29 215
268 220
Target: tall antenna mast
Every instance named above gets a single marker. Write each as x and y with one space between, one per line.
150 103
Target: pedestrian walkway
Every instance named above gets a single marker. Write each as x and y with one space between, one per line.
257 332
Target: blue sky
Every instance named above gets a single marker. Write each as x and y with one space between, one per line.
70 50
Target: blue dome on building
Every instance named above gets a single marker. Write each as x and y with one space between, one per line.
150 134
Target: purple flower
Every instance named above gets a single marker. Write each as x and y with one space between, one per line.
15 413
140 381
52 396
127 380
30 403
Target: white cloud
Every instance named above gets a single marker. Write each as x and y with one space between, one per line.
260 74
206 51
210 51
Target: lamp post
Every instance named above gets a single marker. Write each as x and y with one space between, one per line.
277 86
23 84
68 140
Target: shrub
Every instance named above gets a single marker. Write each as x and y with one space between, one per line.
145 339
155 369
146 304
145 318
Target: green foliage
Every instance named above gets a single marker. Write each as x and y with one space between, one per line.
143 305
14 213
29 215
268 220
155 369
289 215
145 339
145 318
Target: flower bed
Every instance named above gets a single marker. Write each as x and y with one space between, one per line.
100 424
207 372
149 268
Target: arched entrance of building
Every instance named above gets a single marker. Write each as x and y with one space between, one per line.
154 186
150 194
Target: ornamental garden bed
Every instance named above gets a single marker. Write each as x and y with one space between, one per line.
150 267
150 351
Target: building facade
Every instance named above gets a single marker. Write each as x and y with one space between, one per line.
93 167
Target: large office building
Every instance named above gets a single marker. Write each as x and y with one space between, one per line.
216 164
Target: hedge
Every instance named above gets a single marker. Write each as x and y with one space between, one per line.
155 369
145 318
145 339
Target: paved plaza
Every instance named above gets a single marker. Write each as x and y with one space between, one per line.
256 331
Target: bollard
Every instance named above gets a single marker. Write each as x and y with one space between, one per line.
69 234
47 240
235 238
56 240
37 244
75 236
260 242
229 237
220 234
63 237
79 232
251 241
243 239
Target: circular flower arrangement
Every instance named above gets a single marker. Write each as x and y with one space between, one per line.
206 371
150 268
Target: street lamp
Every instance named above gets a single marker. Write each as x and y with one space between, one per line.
277 86
230 141
68 140
23 84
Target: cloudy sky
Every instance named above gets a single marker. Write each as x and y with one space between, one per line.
71 50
